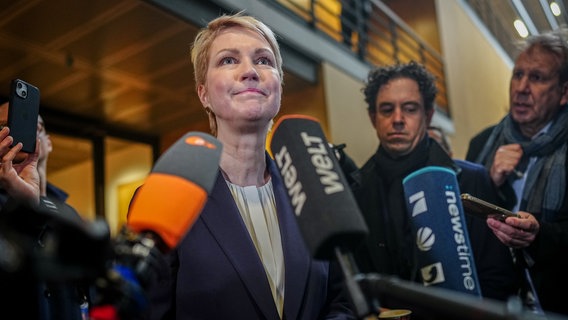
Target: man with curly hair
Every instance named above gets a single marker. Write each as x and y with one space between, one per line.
400 104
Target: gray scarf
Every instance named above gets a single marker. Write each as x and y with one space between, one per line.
546 183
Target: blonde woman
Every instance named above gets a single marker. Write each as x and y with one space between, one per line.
245 257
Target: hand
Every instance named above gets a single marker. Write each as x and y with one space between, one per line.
20 180
506 159
515 232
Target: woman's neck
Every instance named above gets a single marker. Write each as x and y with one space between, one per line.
243 161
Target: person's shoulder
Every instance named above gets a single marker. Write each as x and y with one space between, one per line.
469 165
472 172
56 192
477 142
484 134
368 167
366 174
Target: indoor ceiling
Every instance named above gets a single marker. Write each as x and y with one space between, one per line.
115 65
499 16
123 66
110 67
122 63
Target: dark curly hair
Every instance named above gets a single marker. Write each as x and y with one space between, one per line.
380 76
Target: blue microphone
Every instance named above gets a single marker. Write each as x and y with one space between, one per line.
443 250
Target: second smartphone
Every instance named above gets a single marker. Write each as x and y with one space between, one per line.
23 112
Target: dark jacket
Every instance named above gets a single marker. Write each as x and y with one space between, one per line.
59 300
62 301
550 246
217 273
383 253
505 194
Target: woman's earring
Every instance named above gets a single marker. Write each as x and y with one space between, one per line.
212 121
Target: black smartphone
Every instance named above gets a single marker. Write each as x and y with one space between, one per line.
484 209
23 113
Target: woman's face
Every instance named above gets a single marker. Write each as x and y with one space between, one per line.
242 85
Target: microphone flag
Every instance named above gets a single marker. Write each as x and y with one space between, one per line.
325 209
442 247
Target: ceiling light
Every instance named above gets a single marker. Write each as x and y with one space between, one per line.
525 17
555 8
521 28
550 13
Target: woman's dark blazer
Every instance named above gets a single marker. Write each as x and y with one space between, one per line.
217 273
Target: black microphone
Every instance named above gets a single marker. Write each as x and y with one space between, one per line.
54 241
327 213
325 208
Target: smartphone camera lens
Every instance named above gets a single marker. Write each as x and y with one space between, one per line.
21 90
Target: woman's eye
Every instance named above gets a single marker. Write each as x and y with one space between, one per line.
264 61
228 60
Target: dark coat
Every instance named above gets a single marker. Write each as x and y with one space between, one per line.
492 259
44 300
217 273
550 246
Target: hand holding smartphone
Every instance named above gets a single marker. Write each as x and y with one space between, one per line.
23 112
484 209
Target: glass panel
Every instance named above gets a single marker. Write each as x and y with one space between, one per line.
127 164
70 167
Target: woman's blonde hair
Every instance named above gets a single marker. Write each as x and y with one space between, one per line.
206 36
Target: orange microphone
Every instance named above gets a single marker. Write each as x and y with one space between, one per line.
161 212
175 192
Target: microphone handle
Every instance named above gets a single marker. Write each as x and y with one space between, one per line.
443 303
362 306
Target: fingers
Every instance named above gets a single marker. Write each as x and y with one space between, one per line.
19 176
527 223
5 141
515 232
507 157
6 165
12 153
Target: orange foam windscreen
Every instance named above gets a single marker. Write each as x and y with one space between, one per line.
175 192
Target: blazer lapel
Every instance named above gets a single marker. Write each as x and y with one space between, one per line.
225 224
296 256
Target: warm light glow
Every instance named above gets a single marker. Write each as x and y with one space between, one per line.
521 28
555 8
